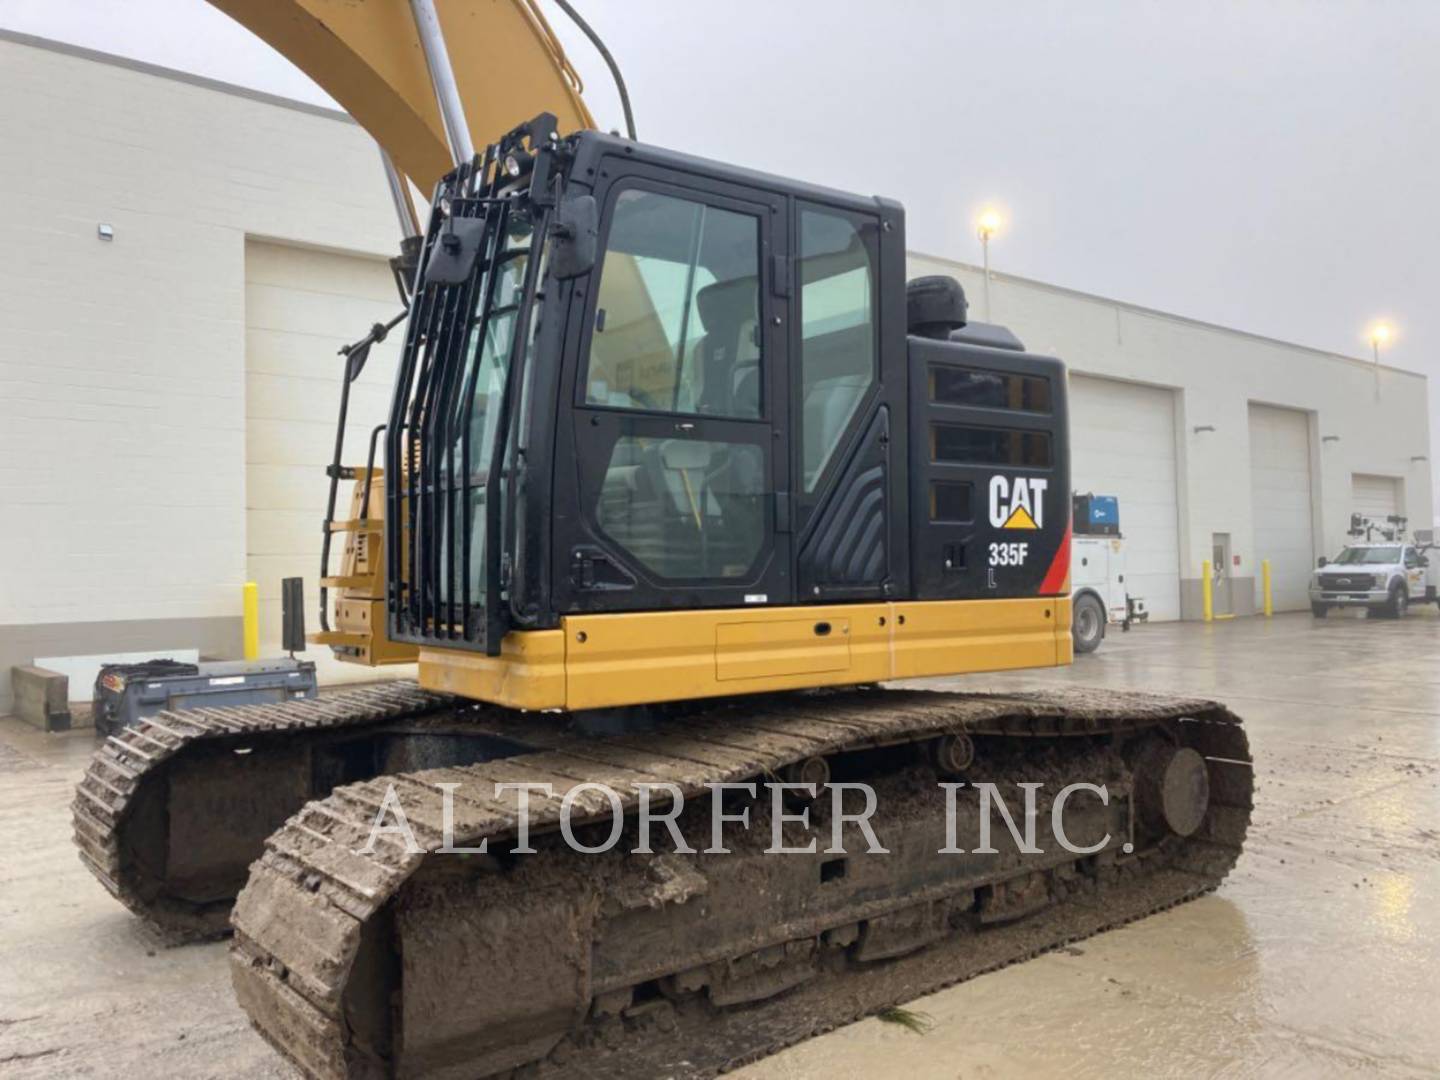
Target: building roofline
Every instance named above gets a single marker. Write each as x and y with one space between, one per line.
146 68
1169 316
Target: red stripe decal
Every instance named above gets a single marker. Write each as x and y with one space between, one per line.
1059 572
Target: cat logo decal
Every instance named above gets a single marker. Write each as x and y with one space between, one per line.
1017 503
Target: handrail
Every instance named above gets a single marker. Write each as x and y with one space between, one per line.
355 355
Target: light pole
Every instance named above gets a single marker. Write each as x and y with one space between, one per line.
1380 334
986 226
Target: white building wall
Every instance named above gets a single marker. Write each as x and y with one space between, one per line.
1216 374
122 363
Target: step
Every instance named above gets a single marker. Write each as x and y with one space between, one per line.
336 637
349 581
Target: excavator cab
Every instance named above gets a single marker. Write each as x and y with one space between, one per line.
662 430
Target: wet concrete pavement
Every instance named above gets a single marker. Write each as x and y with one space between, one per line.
1319 956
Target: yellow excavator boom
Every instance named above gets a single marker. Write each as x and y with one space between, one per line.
367 55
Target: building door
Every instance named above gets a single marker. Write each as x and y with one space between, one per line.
1281 510
300 307
1221 576
1375 498
1122 443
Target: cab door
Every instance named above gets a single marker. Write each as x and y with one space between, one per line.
667 494
848 386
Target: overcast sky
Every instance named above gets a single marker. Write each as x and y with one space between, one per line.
1272 165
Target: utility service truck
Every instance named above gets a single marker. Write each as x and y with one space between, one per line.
1098 592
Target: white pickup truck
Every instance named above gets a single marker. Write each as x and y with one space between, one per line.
1385 578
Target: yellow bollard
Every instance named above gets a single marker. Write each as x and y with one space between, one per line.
252 620
1207 592
1265 587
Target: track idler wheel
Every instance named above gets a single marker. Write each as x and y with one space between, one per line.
810 770
1172 788
953 754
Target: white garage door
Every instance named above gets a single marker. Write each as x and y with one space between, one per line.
1280 503
300 307
1375 497
1122 443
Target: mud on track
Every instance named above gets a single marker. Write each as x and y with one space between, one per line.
351 962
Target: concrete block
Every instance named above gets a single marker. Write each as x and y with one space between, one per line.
42 697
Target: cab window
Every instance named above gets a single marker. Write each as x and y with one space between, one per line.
677 323
973 387
963 444
838 330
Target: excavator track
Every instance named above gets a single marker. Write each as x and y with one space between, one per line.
171 812
356 954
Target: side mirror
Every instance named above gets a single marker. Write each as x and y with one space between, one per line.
576 237
453 255
1322 562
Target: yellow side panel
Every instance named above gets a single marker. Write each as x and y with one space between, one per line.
600 661
951 637
367 56
629 659
529 673
1064 643
751 650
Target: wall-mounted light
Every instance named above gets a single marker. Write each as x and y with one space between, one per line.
1418 457
1329 438
1380 333
105 232
1203 427
987 224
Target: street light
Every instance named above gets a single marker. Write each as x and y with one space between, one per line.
987 224
1381 333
